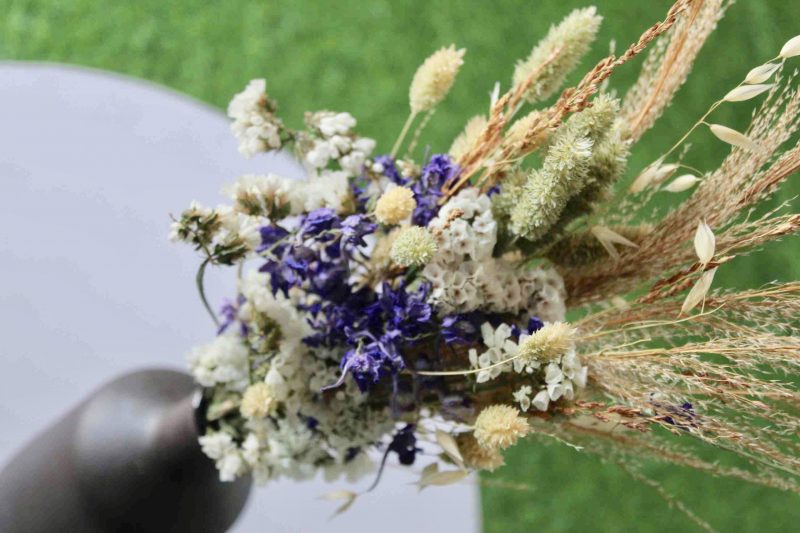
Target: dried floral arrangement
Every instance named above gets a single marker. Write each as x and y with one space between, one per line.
385 302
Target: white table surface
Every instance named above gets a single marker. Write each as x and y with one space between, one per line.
91 165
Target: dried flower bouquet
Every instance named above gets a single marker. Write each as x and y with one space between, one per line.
386 302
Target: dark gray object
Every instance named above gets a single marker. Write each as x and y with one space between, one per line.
126 459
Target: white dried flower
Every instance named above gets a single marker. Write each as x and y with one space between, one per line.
523 397
499 426
548 343
414 246
257 401
254 125
434 78
395 205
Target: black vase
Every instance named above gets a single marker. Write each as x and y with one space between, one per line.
126 459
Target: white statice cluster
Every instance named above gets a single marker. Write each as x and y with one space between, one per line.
255 126
337 142
309 433
553 375
562 378
221 362
465 276
500 350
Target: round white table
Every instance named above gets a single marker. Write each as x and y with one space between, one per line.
91 166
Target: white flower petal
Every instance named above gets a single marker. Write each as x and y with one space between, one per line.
541 400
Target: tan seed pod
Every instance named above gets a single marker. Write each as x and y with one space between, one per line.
762 73
704 242
734 138
682 183
746 92
791 48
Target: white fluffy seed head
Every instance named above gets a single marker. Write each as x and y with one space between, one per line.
499 426
257 401
434 78
395 205
414 246
548 343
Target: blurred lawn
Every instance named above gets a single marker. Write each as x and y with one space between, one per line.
360 57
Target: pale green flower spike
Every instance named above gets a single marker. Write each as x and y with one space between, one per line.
569 40
567 170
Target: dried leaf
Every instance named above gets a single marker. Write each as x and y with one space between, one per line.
791 48
704 242
655 173
746 92
430 469
448 444
348 496
447 477
682 183
699 291
762 73
608 238
735 138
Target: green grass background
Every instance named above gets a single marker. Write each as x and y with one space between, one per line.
359 57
